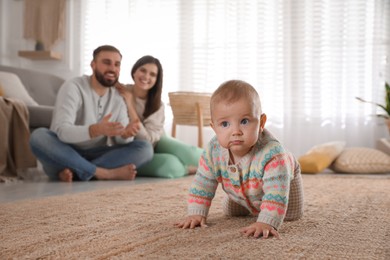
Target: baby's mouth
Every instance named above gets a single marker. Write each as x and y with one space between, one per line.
235 142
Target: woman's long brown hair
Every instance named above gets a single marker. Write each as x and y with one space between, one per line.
153 101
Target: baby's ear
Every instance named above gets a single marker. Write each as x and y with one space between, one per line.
263 119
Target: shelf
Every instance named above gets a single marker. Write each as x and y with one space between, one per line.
40 55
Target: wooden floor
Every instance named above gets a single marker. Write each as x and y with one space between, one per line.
36 185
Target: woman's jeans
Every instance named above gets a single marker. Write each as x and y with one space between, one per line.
56 155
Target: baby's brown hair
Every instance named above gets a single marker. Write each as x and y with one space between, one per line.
233 90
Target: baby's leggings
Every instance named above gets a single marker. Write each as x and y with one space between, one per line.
295 202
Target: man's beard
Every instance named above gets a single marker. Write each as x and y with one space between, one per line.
106 83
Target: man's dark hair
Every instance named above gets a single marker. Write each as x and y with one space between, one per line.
105 48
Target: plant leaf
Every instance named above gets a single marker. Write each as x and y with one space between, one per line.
377 104
386 108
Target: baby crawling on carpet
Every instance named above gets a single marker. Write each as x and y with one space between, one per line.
259 176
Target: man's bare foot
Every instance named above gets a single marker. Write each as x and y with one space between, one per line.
66 175
127 172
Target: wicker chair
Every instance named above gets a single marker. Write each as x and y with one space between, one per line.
190 108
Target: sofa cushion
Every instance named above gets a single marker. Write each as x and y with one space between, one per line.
362 160
14 88
320 156
40 116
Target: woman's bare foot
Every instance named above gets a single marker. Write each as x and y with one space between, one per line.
127 172
66 175
191 170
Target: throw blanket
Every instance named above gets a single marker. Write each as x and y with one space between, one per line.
15 151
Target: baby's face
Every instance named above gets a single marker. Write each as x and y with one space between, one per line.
237 126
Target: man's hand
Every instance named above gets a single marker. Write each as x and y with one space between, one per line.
258 228
107 128
192 222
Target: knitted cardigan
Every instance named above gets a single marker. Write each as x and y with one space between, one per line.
260 181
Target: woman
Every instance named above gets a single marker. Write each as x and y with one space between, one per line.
172 158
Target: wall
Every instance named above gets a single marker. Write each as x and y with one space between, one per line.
12 41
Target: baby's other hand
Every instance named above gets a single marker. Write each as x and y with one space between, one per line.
192 222
258 228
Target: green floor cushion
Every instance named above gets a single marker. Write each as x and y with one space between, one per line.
188 154
163 165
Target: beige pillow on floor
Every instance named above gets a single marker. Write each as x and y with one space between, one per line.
320 157
14 88
362 160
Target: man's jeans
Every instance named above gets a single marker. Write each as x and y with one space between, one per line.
55 155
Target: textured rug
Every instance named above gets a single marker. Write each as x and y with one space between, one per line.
346 217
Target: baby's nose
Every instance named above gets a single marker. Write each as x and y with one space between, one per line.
237 130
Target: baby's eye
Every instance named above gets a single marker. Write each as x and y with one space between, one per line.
225 124
245 121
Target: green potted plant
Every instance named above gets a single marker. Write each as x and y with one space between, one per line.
385 107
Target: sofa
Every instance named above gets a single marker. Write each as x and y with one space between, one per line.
38 90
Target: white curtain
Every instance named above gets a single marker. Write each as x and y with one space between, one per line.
308 59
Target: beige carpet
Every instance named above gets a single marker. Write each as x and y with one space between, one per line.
347 217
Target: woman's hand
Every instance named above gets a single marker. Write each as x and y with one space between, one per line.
132 129
125 93
258 228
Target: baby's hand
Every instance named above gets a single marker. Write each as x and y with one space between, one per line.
192 222
258 228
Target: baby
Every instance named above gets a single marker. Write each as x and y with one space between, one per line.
259 176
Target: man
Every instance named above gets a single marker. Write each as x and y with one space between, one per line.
90 134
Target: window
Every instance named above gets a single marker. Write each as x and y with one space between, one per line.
307 59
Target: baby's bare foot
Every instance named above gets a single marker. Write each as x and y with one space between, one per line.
66 175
